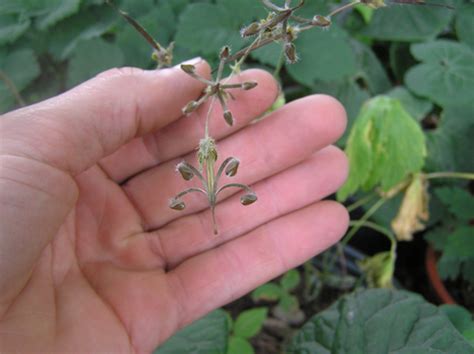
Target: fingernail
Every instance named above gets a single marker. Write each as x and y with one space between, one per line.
193 61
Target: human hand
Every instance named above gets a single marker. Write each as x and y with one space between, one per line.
91 257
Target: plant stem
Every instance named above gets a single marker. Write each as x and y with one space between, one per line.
364 219
281 61
342 8
208 116
12 87
360 202
463 175
376 227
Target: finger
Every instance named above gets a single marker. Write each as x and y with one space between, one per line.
182 136
220 275
285 138
310 181
74 130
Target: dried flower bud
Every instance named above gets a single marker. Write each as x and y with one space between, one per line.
177 204
232 167
290 53
321 21
249 85
229 117
190 107
188 68
250 30
225 52
185 170
248 198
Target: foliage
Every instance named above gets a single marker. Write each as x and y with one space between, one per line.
379 321
454 237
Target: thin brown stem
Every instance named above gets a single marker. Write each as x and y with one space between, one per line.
12 87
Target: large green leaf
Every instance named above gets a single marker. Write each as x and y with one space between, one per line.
325 55
459 202
205 28
450 145
92 57
250 322
56 11
385 146
12 27
88 24
446 75
206 336
21 68
379 321
462 319
465 23
409 22
416 106
239 345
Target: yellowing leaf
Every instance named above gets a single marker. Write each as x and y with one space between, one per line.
413 211
379 269
385 146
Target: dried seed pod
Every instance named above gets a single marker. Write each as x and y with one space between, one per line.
185 170
177 204
225 52
188 68
232 167
190 107
248 85
250 30
321 21
248 198
290 53
229 118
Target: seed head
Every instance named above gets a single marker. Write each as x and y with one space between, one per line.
229 118
290 53
249 85
177 204
232 167
188 68
190 107
248 198
185 170
321 21
225 52
250 30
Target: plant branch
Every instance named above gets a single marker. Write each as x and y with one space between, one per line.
463 175
12 87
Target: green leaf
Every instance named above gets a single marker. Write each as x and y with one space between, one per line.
465 23
205 28
289 303
460 244
267 292
205 336
370 69
324 55
446 75
384 147
12 27
239 345
379 269
416 106
57 11
21 68
408 22
290 280
250 322
379 321
459 201
88 24
450 145
461 318
92 57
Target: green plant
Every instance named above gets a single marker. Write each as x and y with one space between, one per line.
287 307
247 325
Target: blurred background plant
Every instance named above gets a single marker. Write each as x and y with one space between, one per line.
406 77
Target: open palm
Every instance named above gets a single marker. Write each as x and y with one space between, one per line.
91 257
